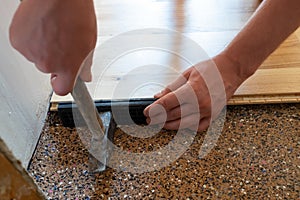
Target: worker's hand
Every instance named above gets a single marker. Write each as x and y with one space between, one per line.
188 103
57 36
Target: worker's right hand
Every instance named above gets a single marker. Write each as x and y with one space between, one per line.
57 36
196 97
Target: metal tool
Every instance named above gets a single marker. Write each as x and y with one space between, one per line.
98 144
101 127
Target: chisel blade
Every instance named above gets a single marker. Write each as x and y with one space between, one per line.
98 144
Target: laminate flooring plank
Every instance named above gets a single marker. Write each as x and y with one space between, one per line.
272 82
210 24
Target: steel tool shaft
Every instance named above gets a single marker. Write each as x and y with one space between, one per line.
98 145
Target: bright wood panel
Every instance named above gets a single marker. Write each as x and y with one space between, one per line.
185 16
272 82
211 24
287 55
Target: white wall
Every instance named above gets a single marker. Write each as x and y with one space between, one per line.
24 94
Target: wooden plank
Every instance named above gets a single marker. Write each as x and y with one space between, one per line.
278 75
264 99
271 82
266 81
287 55
263 87
54 106
117 16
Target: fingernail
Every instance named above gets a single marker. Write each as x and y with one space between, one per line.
148 120
146 111
157 95
53 77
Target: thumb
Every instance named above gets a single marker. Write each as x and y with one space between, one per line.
62 83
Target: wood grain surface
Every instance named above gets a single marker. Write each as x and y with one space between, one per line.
210 24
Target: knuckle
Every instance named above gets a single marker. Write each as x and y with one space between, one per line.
169 126
192 108
44 65
163 103
174 114
167 89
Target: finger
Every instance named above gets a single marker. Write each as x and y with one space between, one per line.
171 106
188 122
174 114
154 119
184 94
62 84
162 93
191 122
168 102
204 124
182 111
179 81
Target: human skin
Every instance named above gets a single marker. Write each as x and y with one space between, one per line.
273 22
57 36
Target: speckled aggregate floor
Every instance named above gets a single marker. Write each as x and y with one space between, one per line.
256 157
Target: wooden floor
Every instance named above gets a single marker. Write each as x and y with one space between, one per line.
211 24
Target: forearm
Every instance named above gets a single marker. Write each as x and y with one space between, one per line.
269 26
